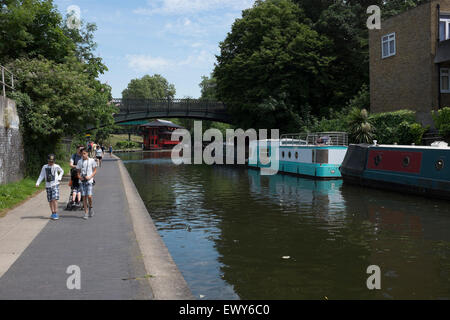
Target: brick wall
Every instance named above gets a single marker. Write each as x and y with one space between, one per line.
403 81
12 164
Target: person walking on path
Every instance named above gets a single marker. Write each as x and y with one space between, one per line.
87 169
76 157
110 150
52 173
99 156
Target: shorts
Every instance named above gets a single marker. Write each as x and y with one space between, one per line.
87 189
99 158
76 189
52 193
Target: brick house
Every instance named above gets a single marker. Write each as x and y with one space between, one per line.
410 61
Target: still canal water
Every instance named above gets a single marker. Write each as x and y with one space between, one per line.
235 234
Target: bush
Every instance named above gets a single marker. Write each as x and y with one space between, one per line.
442 122
387 128
397 127
121 145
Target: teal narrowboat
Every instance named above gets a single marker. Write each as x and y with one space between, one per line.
423 170
312 155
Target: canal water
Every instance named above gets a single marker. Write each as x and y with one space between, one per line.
235 234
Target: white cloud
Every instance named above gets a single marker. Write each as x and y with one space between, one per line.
181 7
146 63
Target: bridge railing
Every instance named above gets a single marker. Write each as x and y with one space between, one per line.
185 106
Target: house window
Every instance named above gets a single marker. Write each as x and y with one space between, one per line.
388 45
445 80
444 28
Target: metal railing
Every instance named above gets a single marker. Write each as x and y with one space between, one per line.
168 105
5 82
315 138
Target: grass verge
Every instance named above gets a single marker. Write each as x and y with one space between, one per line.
13 194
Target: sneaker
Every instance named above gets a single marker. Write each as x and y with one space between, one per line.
91 212
85 217
54 216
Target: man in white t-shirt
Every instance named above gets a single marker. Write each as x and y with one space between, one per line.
52 174
87 169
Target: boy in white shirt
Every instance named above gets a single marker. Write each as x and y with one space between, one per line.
52 173
87 169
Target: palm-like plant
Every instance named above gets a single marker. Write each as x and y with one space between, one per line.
360 128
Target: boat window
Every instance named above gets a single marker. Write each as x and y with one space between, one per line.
282 154
440 164
296 155
406 161
377 159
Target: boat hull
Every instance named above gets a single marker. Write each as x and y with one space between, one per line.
317 162
417 170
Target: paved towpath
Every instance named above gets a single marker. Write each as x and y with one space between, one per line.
103 247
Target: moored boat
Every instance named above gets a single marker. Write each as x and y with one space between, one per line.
312 155
423 170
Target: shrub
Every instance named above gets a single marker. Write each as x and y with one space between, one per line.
442 122
121 145
397 127
360 128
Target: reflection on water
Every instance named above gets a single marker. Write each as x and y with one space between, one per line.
235 234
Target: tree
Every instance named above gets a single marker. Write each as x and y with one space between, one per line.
56 100
208 88
55 70
272 65
149 87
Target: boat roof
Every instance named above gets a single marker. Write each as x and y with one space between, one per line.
408 147
161 123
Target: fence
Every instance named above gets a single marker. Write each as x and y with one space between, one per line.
7 80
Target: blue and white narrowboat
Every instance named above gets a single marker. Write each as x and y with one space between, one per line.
312 155
423 170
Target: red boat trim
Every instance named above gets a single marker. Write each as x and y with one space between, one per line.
395 160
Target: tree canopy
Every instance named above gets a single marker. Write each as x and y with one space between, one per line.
57 90
286 62
149 87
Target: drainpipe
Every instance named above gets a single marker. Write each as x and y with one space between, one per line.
438 7
439 85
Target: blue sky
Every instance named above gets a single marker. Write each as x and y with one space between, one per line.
175 38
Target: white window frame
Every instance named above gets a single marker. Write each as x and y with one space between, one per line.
445 19
446 72
387 39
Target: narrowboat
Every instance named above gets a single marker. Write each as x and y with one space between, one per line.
423 170
312 155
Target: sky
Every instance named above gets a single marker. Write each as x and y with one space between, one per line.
175 38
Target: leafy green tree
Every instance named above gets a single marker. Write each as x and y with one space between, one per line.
56 100
272 66
31 28
55 69
208 88
149 87
343 23
442 121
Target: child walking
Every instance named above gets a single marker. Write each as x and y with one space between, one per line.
52 173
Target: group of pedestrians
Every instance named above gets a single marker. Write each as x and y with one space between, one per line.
83 170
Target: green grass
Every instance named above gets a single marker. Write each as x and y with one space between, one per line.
12 194
114 138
